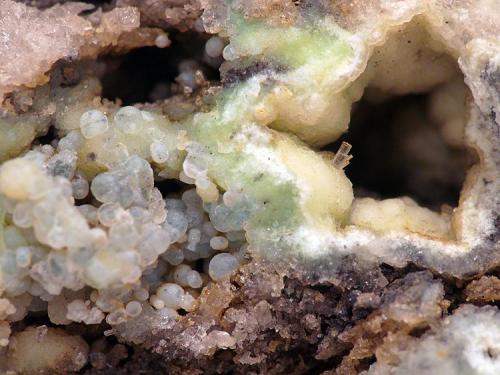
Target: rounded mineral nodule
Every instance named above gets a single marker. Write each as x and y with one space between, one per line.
128 119
222 266
93 123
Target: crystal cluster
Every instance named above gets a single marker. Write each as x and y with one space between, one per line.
53 245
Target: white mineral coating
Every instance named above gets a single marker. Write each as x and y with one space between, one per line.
60 35
465 343
222 266
93 123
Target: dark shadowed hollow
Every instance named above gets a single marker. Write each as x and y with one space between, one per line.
398 151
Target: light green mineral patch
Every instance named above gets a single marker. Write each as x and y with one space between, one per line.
274 185
292 46
268 171
310 96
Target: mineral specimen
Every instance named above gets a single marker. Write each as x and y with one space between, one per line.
212 229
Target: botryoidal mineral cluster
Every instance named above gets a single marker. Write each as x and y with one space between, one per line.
260 258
